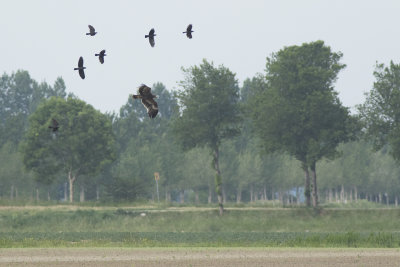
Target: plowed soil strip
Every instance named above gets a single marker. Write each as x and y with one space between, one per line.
198 257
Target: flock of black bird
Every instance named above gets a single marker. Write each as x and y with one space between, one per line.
144 92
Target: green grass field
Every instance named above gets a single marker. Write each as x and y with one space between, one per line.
65 226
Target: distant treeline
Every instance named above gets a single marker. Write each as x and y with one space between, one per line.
212 141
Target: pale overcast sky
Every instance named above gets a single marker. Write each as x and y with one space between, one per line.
47 38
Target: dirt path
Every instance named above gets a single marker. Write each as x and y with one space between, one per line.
199 257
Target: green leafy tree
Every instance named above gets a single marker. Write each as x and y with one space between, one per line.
13 179
19 97
167 103
352 170
298 111
145 145
194 173
209 112
83 144
381 111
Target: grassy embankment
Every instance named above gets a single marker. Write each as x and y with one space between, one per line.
66 226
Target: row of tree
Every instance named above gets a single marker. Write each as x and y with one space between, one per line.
211 139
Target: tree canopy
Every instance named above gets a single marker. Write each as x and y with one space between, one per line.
298 111
381 111
83 144
209 111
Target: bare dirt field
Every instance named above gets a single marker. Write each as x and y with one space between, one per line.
198 257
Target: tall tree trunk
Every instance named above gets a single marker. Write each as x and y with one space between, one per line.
182 196
273 197
209 200
71 180
82 194
65 191
251 193
355 194
342 194
48 195
196 197
396 201
387 199
297 195
16 193
307 192
351 196
265 193
380 198
166 194
239 195
314 183
37 194
218 180
223 194
336 195
97 193
12 192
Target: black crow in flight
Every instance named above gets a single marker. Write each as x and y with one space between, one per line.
101 56
54 125
80 68
92 31
189 31
151 37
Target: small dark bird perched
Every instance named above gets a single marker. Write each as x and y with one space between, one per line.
80 68
54 125
151 37
101 56
92 31
189 31
144 92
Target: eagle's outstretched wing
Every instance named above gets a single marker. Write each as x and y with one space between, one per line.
151 106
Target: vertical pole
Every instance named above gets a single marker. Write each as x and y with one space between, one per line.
158 196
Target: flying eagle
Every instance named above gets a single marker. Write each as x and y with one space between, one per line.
92 31
54 125
144 92
151 37
189 31
80 68
101 56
